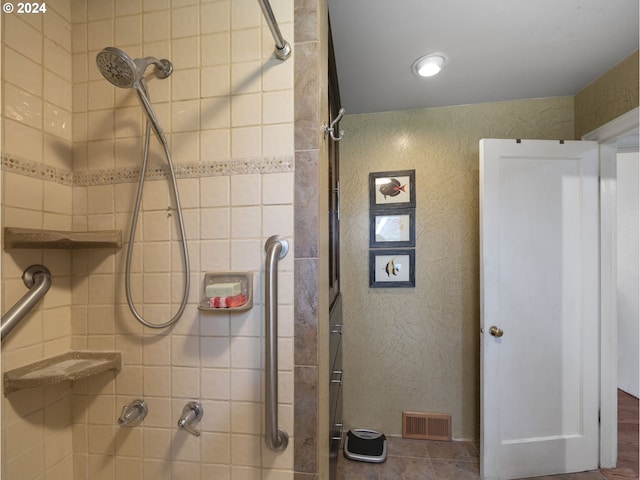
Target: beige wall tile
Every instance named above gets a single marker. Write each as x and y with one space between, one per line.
156 25
57 198
246 255
24 192
215 48
22 106
277 220
57 324
215 384
246 142
130 468
185 116
100 33
215 17
128 7
101 409
129 381
186 53
29 463
245 449
129 440
128 30
157 381
104 137
22 71
24 434
215 113
185 147
57 29
57 59
215 145
185 84
245 45
22 37
23 142
245 385
100 10
244 15
215 448
157 443
277 139
245 418
185 22
214 255
100 468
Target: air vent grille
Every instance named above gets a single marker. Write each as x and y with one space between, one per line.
426 426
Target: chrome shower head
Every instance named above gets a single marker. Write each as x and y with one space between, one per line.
117 67
125 72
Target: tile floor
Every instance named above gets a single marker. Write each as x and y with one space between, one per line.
427 460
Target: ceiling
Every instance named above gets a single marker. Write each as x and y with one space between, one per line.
496 49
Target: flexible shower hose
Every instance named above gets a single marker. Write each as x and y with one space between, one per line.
132 234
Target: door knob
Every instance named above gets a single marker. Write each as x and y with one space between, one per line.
496 332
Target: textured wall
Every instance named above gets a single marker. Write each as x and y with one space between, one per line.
418 349
613 94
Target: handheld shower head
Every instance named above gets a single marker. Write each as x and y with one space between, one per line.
124 72
117 67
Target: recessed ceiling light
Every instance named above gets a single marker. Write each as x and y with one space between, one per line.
429 65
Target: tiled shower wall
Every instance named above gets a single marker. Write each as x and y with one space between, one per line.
227 111
37 193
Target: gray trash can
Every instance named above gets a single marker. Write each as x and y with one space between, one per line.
365 445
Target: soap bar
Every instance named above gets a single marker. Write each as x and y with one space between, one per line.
228 302
223 289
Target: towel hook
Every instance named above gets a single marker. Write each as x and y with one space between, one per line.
329 130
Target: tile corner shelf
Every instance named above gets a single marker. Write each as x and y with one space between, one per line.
36 238
72 365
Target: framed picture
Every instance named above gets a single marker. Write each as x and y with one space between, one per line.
390 268
392 189
395 228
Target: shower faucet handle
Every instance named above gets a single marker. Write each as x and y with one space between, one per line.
191 414
134 412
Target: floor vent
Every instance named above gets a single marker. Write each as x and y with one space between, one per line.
426 426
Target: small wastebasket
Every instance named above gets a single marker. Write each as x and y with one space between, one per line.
365 445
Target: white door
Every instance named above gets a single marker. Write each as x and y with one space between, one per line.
539 230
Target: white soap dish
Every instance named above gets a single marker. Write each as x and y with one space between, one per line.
227 291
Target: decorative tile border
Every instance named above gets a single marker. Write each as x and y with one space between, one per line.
112 176
37 170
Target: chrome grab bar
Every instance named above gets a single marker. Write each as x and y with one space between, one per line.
276 248
37 279
283 49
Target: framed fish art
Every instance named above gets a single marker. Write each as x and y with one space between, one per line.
391 268
395 228
392 189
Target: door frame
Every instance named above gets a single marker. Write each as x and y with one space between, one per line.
607 136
